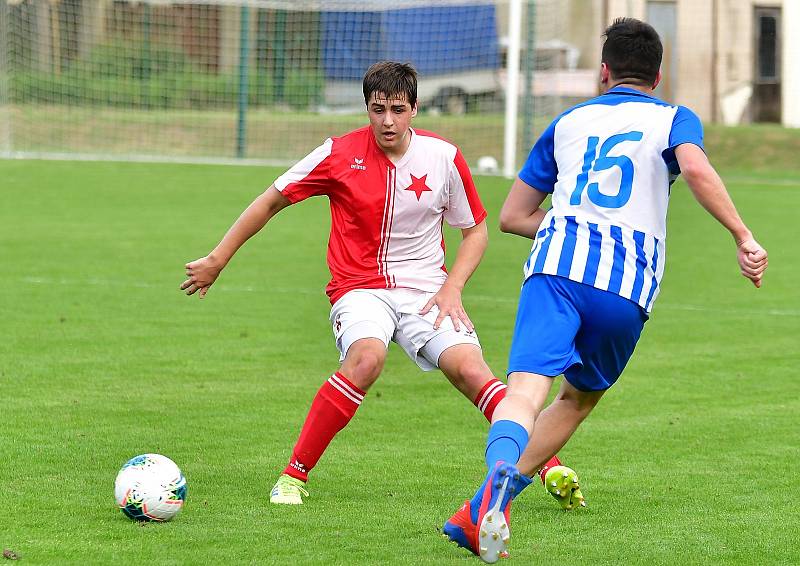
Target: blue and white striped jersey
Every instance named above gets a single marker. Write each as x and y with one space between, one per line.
609 163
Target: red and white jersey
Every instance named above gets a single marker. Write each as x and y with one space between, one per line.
386 218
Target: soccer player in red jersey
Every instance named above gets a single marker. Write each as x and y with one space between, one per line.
391 188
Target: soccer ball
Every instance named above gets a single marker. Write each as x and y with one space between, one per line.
488 165
150 487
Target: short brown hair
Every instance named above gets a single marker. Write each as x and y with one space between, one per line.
632 51
391 79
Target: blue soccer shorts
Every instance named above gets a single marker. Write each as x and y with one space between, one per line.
568 327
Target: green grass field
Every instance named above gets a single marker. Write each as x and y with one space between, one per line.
289 135
690 459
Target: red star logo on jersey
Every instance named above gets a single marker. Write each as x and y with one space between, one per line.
418 186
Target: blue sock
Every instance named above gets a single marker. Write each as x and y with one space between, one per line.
506 441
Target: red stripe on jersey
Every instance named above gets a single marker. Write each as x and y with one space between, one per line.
392 190
475 205
444 249
386 226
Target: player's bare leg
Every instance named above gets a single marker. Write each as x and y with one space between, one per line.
556 424
552 430
334 405
482 524
527 393
465 368
364 361
512 426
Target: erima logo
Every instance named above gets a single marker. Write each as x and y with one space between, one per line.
358 164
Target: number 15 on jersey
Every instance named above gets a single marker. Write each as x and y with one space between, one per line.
592 161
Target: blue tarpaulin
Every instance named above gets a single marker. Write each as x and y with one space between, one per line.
436 40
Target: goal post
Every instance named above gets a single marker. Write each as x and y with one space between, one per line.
5 102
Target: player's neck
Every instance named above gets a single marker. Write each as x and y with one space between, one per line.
396 153
641 88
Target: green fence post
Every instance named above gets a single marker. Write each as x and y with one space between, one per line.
279 47
244 48
144 84
262 44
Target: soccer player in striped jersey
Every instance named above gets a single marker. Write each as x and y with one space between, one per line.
390 188
596 264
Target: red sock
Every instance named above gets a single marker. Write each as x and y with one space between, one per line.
551 463
334 405
490 395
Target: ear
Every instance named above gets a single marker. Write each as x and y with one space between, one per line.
414 110
658 79
605 74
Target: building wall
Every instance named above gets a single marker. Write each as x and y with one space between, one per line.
734 60
715 45
694 45
696 79
791 63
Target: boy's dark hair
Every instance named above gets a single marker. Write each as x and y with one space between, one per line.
392 79
632 51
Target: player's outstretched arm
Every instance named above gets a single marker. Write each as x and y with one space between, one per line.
521 214
448 298
710 192
201 273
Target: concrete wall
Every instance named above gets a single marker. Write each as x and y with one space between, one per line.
734 61
694 45
695 57
791 63
716 62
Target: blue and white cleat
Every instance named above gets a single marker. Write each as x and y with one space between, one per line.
461 530
493 533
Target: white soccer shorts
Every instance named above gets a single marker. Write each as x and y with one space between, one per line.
393 315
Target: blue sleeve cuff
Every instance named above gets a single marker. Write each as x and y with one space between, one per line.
686 128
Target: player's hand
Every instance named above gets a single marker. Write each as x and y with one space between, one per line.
201 274
752 260
448 299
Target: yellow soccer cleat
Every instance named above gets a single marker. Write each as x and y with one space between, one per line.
562 483
288 491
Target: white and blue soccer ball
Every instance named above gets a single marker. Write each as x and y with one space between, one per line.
150 487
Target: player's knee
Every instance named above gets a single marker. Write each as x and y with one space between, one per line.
475 376
470 378
465 368
367 366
